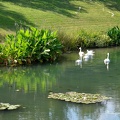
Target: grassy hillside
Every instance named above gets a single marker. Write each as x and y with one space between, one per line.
68 16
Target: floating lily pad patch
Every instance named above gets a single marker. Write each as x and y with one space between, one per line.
7 106
85 98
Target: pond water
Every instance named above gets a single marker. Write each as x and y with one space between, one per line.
30 86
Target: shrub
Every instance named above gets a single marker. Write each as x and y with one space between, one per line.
114 34
86 39
31 45
102 40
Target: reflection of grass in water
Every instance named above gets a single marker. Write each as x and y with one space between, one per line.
29 79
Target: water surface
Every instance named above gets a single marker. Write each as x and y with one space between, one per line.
29 86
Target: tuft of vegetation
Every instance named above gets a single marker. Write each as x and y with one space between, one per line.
85 39
67 41
30 45
93 39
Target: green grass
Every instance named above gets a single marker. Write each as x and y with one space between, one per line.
61 15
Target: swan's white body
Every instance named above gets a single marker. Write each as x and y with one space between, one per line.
86 56
107 60
78 62
80 52
90 52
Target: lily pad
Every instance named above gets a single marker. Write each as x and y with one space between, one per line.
75 97
7 106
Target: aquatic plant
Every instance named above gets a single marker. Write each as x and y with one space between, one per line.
7 106
85 98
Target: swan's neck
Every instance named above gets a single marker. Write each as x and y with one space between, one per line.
108 56
80 49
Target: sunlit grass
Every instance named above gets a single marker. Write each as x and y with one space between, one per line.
65 17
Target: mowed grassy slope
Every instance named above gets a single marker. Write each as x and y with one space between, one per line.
61 15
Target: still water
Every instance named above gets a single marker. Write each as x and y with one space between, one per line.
29 86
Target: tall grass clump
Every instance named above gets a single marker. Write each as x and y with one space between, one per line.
30 45
68 41
84 39
92 39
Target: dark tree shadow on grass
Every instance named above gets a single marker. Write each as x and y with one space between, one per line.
8 19
111 4
63 6
57 6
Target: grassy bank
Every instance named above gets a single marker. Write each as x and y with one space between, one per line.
68 17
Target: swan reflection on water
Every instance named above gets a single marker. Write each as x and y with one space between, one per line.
79 62
107 66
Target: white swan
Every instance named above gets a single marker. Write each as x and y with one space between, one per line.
78 62
107 60
80 52
90 52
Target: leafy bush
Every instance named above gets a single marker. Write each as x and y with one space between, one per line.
103 40
114 34
31 45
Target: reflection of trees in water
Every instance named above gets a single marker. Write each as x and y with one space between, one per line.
30 78
111 89
73 111
84 112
